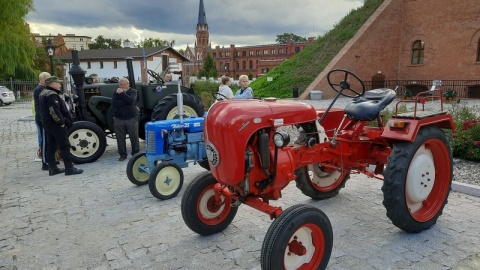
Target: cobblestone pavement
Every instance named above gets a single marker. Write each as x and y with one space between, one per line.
99 220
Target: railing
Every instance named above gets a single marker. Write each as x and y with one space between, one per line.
463 88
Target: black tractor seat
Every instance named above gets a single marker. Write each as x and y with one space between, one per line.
369 106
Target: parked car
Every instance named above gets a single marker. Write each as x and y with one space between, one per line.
7 96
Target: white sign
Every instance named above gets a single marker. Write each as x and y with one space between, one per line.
269 79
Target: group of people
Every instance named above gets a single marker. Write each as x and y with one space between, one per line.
225 92
53 121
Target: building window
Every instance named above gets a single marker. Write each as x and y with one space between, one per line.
244 64
244 53
81 48
74 47
297 49
214 55
251 64
258 53
101 65
227 54
89 65
250 53
418 50
478 51
273 51
265 52
238 53
237 65
280 51
114 64
81 39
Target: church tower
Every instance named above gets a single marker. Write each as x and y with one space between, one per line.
203 41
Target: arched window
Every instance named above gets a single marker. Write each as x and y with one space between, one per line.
251 64
244 64
237 65
418 50
478 51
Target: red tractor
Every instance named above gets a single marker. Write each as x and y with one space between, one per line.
252 159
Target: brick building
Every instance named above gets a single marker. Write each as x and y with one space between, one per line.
414 40
234 61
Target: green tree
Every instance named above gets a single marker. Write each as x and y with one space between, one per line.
284 38
105 43
150 43
209 68
16 47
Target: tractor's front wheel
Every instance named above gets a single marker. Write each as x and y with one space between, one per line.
136 169
201 212
87 142
166 180
319 182
300 238
418 179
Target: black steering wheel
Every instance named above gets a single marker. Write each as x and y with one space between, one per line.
344 84
216 94
155 75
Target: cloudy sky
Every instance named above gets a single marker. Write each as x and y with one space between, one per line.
244 22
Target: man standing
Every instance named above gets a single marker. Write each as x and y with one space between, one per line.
124 118
38 120
56 121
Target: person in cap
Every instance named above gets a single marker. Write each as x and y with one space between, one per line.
56 120
38 121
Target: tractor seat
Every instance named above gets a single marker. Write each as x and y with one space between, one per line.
369 106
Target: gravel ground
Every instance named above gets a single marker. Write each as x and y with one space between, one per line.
464 171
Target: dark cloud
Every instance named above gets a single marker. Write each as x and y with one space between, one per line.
228 20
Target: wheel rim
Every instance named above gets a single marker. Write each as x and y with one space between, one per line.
187 112
209 211
305 248
138 174
428 180
325 180
84 143
167 180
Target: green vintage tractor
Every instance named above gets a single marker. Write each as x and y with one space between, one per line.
90 105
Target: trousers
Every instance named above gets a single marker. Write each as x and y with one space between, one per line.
122 128
56 135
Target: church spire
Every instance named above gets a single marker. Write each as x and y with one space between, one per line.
202 16
203 39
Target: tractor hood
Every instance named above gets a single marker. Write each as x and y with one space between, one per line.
230 124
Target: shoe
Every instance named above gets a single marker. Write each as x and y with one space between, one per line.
55 171
72 171
122 158
44 167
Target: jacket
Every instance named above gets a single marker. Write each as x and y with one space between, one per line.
52 108
124 104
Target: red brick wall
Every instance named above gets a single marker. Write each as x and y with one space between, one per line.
450 29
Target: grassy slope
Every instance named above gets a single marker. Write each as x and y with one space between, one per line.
304 67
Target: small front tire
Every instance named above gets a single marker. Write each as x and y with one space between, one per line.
166 180
135 172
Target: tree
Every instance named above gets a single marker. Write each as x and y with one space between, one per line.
209 68
284 38
16 47
150 43
105 43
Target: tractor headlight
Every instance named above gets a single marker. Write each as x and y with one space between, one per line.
281 139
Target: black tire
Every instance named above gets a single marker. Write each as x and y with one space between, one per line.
88 142
199 210
167 107
418 179
204 164
299 228
318 183
166 180
135 169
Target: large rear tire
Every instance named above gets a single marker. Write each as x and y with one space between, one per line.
320 183
300 238
418 179
167 107
88 142
200 211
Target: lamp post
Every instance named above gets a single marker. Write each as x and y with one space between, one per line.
50 49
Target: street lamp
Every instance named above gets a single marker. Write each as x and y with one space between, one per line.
50 49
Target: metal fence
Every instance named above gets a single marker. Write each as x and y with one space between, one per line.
463 88
23 89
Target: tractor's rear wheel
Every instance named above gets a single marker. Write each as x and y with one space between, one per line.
204 164
87 141
167 107
135 169
166 180
300 238
319 182
201 212
418 179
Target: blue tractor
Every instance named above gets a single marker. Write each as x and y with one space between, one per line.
170 146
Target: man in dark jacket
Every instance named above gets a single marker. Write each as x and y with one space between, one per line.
38 121
124 118
56 121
